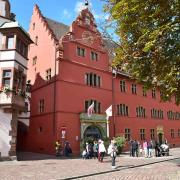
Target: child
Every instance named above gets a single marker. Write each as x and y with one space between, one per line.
84 153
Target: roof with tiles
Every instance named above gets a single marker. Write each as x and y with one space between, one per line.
59 29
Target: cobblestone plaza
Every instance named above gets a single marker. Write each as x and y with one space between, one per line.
44 167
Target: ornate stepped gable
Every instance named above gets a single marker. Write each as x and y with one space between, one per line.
52 26
58 29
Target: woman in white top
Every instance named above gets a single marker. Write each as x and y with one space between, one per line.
102 151
112 150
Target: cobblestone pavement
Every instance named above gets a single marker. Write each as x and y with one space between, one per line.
128 168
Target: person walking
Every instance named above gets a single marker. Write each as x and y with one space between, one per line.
130 147
102 151
67 149
135 148
95 149
145 148
157 149
112 151
57 147
149 147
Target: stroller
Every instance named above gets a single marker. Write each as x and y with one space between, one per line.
162 150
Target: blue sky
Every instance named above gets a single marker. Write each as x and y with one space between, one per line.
64 11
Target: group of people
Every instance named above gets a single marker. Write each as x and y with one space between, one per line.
98 150
148 148
94 150
65 150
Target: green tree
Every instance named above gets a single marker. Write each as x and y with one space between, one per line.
149 46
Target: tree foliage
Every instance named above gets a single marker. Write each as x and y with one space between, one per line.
149 42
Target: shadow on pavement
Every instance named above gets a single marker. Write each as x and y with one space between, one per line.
30 156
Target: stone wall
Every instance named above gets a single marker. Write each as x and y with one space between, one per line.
8 133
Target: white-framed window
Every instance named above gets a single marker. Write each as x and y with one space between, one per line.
21 47
152 133
153 93
140 112
48 74
122 86
127 134
92 79
6 78
122 110
134 91
142 134
10 42
94 56
157 113
81 52
41 105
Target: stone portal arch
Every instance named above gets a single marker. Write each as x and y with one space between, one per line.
93 131
94 125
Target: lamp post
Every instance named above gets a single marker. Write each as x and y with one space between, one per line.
113 101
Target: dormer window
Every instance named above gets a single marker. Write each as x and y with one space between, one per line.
10 42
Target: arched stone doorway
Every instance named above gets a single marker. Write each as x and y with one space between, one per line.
93 132
93 127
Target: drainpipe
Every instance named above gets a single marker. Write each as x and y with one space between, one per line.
54 97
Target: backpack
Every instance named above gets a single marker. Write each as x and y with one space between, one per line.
95 148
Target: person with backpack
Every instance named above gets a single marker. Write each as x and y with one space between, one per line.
95 149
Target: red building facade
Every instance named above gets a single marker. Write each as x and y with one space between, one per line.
70 67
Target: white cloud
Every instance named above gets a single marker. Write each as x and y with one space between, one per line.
66 13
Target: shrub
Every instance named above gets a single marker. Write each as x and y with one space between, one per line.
106 142
120 142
